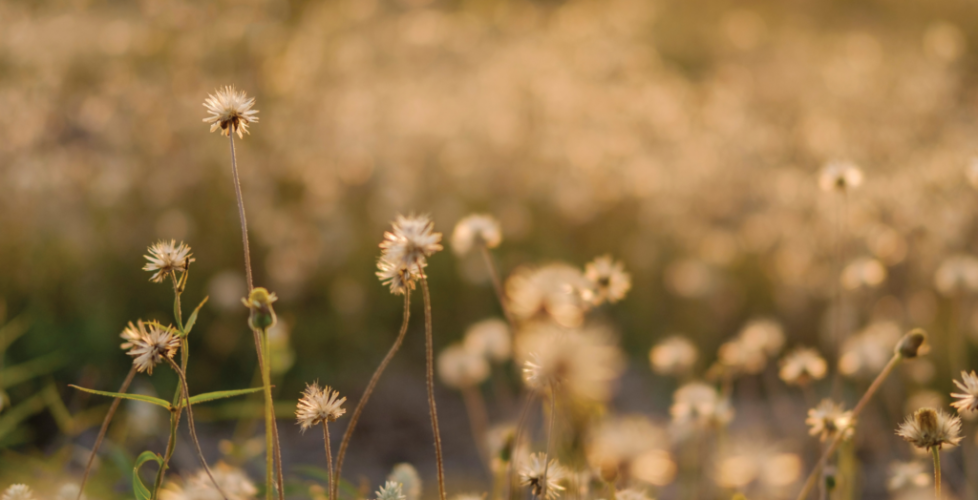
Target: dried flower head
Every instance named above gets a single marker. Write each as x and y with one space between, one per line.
407 476
675 355
802 366
968 398
232 480
399 277
929 428
907 474
152 345
490 338
166 258
581 363
828 418
607 281
318 405
410 242
700 404
840 176
542 478
132 333
230 111
391 490
18 492
763 334
476 229
459 367
553 291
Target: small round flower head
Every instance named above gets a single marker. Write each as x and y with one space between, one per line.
391 490
865 272
929 428
827 419
459 367
230 111
260 301
477 229
968 397
700 404
607 281
166 258
908 474
532 476
399 277
411 241
318 405
18 492
675 355
553 291
152 346
582 363
840 176
739 356
764 334
655 467
407 476
802 366
957 274
232 480
490 338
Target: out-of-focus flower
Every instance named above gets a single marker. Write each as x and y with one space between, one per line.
655 467
553 291
957 274
827 419
318 405
152 345
631 494
968 397
410 242
614 443
582 363
700 404
866 353
542 478
476 229
233 482
840 176
607 279
675 355
749 351
166 258
391 490
490 338
929 428
802 366
907 474
230 111
407 476
864 272
18 492
69 491
757 469
764 334
459 367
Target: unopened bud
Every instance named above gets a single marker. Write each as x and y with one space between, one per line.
260 302
909 346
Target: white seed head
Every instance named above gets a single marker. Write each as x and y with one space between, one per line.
152 345
166 258
675 355
583 363
554 291
828 419
318 405
542 478
232 480
607 281
230 111
459 367
700 404
399 277
802 366
410 242
490 338
476 229
967 399
407 476
908 474
840 176
390 491
18 492
929 428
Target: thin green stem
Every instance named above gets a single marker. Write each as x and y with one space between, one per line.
105 427
266 380
937 472
329 457
241 216
432 408
190 424
170 445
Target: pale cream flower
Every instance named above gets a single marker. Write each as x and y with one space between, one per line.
459 367
764 334
802 366
632 494
400 278
232 480
476 229
675 355
18 492
69 491
840 176
230 111
391 490
318 405
407 476
827 419
957 274
929 428
490 338
864 272
581 363
132 333
739 356
532 476
656 467
149 349
968 398
615 442
756 468
410 242
607 281
904 474
166 258
553 291
700 404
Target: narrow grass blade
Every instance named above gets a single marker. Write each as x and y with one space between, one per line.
134 397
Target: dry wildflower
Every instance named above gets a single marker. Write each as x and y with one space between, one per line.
391 490
700 404
18 492
476 229
957 274
802 366
553 291
133 332
827 419
868 351
490 338
741 357
764 334
968 398
903 474
763 469
166 258
532 476
410 242
318 405
840 176
929 428
232 480
400 278
459 367
864 272
407 476
230 111
675 355
655 467
607 281
615 442
152 345
583 363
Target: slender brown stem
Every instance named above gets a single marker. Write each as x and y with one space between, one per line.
105 427
432 409
279 478
520 424
241 215
266 379
937 472
366 397
329 457
475 407
550 436
497 284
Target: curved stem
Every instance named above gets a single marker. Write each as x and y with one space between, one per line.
105 427
430 372
329 457
937 472
241 216
366 397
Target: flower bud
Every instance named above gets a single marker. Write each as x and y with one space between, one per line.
260 302
909 346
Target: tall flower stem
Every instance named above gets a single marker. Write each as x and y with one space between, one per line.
520 424
241 215
371 385
497 284
266 379
170 445
105 428
550 439
937 472
329 457
190 423
430 372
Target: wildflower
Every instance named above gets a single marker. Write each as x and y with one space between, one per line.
553 291
968 398
476 229
407 476
903 474
391 490
18 492
802 366
864 272
957 274
490 338
232 480
410 242
827 419
397 276
929 428
675 355
840 176
631 494
69 491
763 334
533 472
166 258
260 302
152 346
319 405
615 442
230 111
655 467
607 279
584 363
132 333
740 356
460 368
700 404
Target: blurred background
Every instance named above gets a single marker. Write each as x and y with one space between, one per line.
683 137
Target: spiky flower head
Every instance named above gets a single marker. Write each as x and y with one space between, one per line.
802 366
968 397
541 478
828 419
400 278
608 281
232 480
152 345
318 405
476 229
553 291
411 241
390 491
166 258
230 111
260 301
840 176
132 333
18 492
929 428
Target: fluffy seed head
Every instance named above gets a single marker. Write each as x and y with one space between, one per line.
132 333
532 475
18 492
152 345
318 405
581 363
929 428
700 404
616 442
828 418
166 258
840 176
476 229
230 111
553 291
968 397
399 277
607 279
390 491
460 368
490 338
410 242
675 355
801 366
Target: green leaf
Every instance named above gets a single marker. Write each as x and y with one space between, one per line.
138 488
14 375
14 416
193 317
211 396
134 397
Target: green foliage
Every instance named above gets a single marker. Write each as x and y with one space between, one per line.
193 317
134 397
139 489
